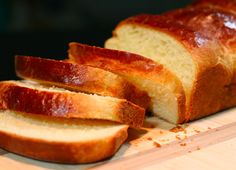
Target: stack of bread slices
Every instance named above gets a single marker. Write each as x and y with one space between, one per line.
180 66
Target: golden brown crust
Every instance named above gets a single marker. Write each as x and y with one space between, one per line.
208 92
128 63
227 5
230 97
71 105
205 97
64 152
79 78
221 23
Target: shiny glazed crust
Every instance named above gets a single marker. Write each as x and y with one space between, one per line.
64 152
227 5
79 78
125 62
14 96
211 77
221 23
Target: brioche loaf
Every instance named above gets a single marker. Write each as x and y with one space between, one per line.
194 58
32 98
59 139
79 78
165 90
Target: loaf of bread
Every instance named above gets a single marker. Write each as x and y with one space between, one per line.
59 139
165 89
198 61
79 78
33 98
181 65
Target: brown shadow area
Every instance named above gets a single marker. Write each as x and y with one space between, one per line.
135 134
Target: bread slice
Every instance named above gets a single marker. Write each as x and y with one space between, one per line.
197 61
59 139
79 78
32 98
165 90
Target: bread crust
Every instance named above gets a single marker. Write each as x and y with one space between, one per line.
226 5
79 78
64 152
205 97
201 19
16 97
124 62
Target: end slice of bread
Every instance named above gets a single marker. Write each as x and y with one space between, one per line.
166 91
81 78
33 98
60 139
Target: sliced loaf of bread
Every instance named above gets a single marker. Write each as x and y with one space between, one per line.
165 89
59 139
33 98
199 62
81 78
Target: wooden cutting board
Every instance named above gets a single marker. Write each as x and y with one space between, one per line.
158 141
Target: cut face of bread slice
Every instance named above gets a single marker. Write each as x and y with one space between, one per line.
33 98
197 61
59 139
165 90
79 78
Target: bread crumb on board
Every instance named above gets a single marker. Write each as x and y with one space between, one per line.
197 131
158 145
177 129
178 137
183 144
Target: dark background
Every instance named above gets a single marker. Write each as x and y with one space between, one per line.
44 28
